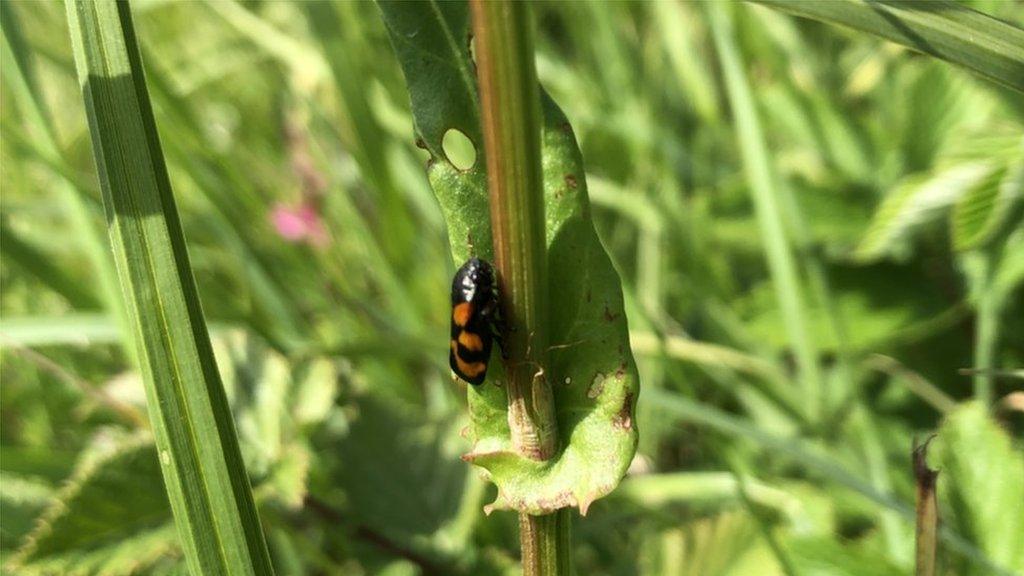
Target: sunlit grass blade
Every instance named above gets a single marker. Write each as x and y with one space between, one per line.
201 463
767 205
35 262
947 30
20 79
79 329
704 490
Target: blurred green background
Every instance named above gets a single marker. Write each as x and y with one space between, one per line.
323 267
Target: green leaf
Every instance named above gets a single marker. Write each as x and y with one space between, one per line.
991 47
981 481
390 448
209 492
111 518
828 557
265 396
722 545
22 498
987 207
590 366
917 200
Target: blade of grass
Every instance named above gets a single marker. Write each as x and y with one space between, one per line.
228 192
842 385
35 262
80 329
991 47
741 473
203 471
18 77
696 488
766 200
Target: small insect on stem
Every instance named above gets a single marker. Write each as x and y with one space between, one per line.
474 320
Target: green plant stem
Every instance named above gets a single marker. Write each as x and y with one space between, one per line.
510 118
511 125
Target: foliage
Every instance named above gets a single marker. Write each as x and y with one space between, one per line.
322 260
591 368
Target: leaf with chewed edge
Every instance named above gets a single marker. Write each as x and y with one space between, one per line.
590 365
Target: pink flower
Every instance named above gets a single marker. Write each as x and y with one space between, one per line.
299 223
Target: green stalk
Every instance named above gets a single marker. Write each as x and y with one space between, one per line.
510 118
927 518
766 200
987 308
210 496
511 125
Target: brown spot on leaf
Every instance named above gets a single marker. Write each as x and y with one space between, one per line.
624 419
421 144
570 181
567 127
609 316
621 372
560 500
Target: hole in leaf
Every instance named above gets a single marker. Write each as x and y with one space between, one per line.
459 149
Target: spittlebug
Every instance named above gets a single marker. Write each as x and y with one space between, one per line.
474 312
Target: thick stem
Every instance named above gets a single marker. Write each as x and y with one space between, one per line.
510 117
546 543
510 113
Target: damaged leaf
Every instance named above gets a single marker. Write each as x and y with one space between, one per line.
590 365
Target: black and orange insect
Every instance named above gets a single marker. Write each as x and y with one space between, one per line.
474 320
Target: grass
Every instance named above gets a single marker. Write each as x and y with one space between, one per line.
207 484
